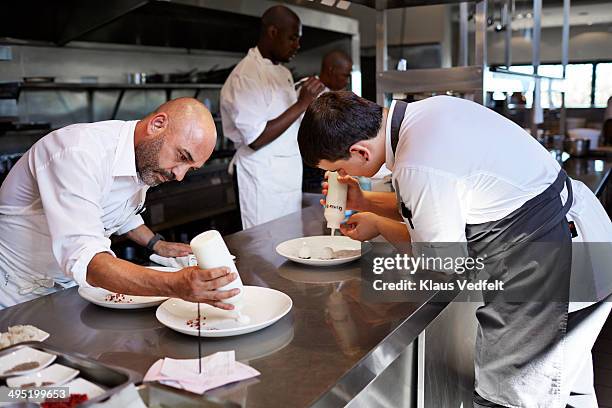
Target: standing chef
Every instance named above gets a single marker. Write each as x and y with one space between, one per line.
457 180
336 67
259 110
80 184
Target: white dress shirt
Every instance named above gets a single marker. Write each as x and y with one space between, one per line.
459 163
62 201
270 178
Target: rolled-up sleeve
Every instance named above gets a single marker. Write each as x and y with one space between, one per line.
133 222
70 183
244 109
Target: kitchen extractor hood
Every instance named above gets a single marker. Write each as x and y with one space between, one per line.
180 24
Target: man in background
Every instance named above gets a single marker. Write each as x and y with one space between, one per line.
335 73
260 112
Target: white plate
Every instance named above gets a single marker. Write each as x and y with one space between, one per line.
261 306
81 386
98 296
21 356
57 374
290 249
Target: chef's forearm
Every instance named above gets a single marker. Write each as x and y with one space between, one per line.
140 235
276 127
392 231
382 203
117 275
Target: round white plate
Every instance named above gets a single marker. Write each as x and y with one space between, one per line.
82 386
98 296
261 306
56 374
21 356
290 249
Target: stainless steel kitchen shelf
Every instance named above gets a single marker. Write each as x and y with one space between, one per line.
111 86
391 4
457 79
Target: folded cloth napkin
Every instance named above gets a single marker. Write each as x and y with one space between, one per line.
217 369
179 262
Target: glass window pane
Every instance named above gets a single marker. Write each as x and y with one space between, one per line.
578 85
550 99
603 84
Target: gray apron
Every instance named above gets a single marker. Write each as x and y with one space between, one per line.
519 344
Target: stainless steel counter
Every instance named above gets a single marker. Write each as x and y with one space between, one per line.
593 172
330 347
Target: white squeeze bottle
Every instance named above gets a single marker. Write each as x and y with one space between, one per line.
335 203
211 252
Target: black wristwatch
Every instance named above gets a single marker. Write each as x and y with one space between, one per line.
153 241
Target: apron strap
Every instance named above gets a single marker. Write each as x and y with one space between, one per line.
396 121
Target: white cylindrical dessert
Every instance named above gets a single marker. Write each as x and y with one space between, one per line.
211 252
335 202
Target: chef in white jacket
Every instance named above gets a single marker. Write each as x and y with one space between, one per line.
468 179
259 110
79 185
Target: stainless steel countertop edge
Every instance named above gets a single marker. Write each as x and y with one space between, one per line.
388 350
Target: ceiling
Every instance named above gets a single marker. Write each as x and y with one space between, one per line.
141 22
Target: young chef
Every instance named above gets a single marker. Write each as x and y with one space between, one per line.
80 184
463 173
259 109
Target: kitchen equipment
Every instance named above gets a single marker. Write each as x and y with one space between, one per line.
344 250
211 252
23 360
39 79
586 133
107 378
262 306
54 375
335 202
159 395
137 78
577 147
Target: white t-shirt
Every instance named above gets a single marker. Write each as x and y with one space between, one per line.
63 199
460 163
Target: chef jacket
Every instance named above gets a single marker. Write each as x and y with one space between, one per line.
270 178
458 163
63 199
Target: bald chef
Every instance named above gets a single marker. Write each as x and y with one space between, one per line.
259 110
80 184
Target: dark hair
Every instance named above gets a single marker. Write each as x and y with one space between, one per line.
333 123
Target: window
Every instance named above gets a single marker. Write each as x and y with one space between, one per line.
603 84
550 99
582 89
578 80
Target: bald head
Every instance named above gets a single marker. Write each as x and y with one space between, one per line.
336 69
281 30
178 136
278 16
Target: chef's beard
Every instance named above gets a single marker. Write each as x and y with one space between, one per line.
147 162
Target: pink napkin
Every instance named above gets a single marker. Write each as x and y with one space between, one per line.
217 369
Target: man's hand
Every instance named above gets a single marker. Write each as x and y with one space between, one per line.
192 283
198 285
355 198
361 226
171 249
311 88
